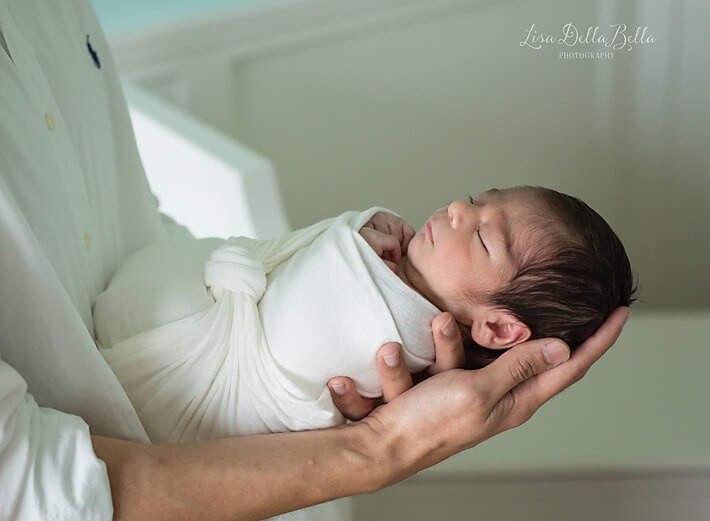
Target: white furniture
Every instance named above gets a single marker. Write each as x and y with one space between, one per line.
209 183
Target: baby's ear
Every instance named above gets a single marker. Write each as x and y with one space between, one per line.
499 329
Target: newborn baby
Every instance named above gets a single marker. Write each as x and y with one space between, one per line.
250 346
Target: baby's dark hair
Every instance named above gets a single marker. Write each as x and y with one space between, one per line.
567 284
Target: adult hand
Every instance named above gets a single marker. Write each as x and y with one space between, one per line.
255 477
459 409
394 377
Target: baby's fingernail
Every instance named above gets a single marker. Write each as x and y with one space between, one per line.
392 360
338 387
448 329
555 353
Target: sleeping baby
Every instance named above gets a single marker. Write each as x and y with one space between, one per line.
213 338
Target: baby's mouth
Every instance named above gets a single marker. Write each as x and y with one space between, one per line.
429 232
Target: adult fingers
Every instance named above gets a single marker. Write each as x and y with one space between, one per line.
518 365
394 376
449 352
536 392
522 402
348 401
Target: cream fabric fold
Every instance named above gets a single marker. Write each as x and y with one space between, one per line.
288 314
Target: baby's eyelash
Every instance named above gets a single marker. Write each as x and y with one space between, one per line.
470 199
478 232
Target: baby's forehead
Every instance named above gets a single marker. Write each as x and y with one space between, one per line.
515 196
527 217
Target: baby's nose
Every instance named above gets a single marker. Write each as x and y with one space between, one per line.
458 213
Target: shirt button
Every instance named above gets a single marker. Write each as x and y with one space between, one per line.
49 120
87 241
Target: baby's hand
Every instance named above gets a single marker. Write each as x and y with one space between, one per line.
390 224
389 236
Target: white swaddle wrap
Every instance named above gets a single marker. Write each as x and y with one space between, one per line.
288 314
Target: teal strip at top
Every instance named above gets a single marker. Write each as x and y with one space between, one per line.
121 16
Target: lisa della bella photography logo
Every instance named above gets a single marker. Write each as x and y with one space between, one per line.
619 37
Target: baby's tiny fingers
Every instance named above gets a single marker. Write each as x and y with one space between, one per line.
400 228
408 234
391 265
387 247
379 222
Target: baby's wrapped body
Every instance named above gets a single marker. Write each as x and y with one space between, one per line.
250 347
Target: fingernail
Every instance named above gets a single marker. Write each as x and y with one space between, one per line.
338 388
448 329
392 360
555 353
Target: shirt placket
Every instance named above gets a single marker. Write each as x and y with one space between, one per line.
40 97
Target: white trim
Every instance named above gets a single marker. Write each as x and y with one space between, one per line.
192 167
275 26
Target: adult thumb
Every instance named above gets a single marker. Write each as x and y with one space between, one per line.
524 361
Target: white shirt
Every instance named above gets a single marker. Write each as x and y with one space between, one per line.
74 203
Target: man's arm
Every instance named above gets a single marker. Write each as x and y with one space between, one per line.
253 477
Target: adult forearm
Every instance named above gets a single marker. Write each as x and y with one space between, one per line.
249 477
254 477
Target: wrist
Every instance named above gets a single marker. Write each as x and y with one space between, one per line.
354 458
392 455
130 468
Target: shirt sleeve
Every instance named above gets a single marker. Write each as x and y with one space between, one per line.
48 469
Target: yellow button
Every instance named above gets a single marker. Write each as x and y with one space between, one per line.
87 240
49 120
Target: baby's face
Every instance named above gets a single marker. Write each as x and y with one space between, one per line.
469 249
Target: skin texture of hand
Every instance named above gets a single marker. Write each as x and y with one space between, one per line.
254 477
394 377
468 407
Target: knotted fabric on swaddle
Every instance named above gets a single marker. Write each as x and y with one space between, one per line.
288 314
